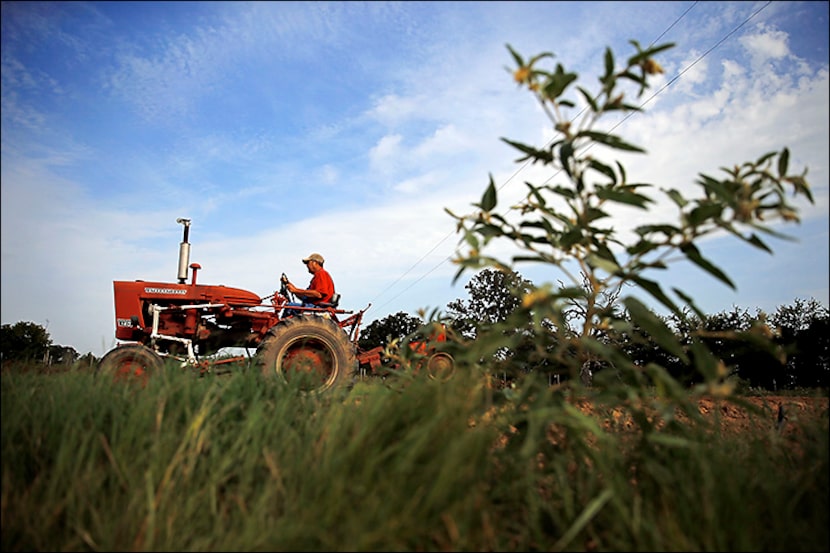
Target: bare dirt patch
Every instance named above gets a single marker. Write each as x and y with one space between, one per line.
781 412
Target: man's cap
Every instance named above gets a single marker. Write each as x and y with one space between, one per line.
314 257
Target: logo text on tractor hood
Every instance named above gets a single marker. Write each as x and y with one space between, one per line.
165 291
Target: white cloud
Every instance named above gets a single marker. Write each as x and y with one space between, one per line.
385 154
695 72
767 44
392 110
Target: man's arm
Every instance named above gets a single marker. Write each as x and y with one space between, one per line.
313 294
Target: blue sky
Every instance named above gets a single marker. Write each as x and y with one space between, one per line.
347 128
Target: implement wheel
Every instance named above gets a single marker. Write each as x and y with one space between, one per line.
132 362
310 349
440 366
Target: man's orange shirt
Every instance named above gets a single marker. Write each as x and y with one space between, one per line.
322 282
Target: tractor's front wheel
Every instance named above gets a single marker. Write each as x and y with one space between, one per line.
130 362
311 350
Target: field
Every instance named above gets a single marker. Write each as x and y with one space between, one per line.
239 463
783 413
780 411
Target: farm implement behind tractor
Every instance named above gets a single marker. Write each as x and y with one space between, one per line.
190 323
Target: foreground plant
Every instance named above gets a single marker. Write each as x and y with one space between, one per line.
644 424
568 226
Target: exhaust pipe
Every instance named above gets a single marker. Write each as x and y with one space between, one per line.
184 250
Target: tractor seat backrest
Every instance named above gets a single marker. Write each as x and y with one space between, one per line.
333 302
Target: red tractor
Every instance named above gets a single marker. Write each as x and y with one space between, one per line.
190 323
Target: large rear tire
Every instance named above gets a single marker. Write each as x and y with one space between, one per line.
309 351
132 362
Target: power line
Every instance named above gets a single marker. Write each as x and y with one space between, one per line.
699 58
528 162
504 184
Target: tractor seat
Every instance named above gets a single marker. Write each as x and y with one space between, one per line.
334 302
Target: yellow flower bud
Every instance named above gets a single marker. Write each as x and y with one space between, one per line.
651 67
521 75
533 298
789 215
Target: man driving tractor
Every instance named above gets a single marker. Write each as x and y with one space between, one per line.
320 290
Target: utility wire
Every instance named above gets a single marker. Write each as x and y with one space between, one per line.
528 162
504 184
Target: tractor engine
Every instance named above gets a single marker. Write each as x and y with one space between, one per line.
178 316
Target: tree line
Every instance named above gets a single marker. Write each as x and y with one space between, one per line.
28 343
797 357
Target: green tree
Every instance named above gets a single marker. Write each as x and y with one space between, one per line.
87 361
802 330
381 332
742 341
494 295
24 341
811 358
62 355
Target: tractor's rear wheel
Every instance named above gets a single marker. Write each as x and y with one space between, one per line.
130 362
311 351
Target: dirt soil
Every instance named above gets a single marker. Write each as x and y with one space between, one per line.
780 411
784 414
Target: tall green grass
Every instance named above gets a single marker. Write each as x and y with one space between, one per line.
238 462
